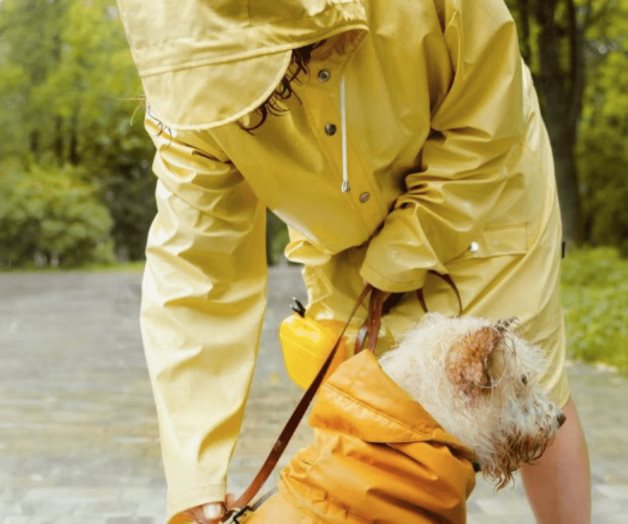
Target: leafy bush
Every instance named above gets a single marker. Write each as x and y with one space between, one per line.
276 238
595 297
68 91
51 216
603 167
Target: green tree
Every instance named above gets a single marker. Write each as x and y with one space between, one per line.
51 217
602 152
71 88
560 41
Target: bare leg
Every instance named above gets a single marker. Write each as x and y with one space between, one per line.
558 485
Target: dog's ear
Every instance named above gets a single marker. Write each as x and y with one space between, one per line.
469 361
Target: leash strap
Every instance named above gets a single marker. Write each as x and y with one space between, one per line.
379 305
241 513
367 338
447 278
293 421
369 331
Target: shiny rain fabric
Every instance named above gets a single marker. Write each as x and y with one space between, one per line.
377 456
189 48
450 169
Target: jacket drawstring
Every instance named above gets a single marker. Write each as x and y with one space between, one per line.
346 187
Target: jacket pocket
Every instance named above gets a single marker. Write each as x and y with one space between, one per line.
497 240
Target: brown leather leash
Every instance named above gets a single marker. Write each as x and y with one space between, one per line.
241 504
369 331
447 278
379 303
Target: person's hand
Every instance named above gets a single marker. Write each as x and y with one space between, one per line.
210 513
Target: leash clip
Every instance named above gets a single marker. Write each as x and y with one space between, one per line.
239 514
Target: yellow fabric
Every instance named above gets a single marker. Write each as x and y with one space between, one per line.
190 48
306 344
443 127
377 456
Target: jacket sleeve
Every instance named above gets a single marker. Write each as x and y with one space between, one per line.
462 168
203 301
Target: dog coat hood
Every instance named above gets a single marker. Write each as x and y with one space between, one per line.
378 456
223 59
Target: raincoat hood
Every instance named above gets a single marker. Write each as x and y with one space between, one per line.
224 59
378 456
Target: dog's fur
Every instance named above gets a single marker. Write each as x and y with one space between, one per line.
479 381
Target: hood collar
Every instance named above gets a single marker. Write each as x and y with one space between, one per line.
207 63
361 400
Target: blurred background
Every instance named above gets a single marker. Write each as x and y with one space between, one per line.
76 187
76 193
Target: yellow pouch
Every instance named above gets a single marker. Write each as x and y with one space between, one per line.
306 344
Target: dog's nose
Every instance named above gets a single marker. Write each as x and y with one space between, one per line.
561 419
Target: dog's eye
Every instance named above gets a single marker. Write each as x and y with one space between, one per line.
524 379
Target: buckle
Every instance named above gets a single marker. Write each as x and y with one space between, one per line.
239 514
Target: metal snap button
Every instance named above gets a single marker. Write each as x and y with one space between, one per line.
330 129
474 247
364 197
324 75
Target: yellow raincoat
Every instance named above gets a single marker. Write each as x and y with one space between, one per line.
378 456
423 109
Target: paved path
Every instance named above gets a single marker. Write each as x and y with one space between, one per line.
78 437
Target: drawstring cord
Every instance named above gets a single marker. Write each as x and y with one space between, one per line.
346 187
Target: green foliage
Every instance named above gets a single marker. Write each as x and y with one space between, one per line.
595 298
604 172
69 81
68 89
276 238
602 151
51 217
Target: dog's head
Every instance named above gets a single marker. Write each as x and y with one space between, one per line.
495 375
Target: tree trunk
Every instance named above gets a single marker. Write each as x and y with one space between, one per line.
73 146
561 96
524 18
58 141
567 182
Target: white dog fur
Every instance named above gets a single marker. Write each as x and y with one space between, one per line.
480 383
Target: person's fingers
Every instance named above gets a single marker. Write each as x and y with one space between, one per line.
230 498
213 512
196 514
206 514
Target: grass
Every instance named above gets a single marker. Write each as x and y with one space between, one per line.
121 266
595 298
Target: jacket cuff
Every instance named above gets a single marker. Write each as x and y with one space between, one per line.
386 283
182 501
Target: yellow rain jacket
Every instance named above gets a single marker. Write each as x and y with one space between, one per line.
378 456
415 143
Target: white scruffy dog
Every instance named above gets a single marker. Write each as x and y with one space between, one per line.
477 380
480 383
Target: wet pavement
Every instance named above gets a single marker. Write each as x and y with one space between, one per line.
78 435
